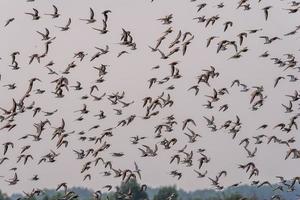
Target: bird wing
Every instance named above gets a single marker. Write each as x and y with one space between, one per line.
69 22
91 13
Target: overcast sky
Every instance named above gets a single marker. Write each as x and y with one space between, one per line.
130 73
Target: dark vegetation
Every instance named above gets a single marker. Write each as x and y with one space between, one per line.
132 191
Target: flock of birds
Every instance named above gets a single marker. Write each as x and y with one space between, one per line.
93 148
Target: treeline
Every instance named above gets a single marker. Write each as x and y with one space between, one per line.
134 191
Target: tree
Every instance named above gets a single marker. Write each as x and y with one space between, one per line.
233 197
55 196
168 193
46 197
132 189
110 196
224 196
197 198
3 196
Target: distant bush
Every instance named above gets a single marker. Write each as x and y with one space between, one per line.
167 193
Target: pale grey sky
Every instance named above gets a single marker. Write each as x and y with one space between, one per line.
130 73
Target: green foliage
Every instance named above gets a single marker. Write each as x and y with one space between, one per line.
233 197
56 196
223 196
131 190
31 198
197 198
46 197
131 187
168 193
110 196
3 196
